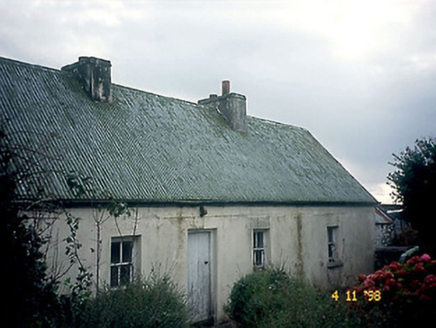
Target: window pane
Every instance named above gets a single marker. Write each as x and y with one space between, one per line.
331 251
330 234
258 258
124 274
115 252
114 276
127 251
258 239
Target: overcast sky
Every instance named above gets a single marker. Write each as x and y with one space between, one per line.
359 75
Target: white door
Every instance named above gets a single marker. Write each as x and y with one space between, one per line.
200 274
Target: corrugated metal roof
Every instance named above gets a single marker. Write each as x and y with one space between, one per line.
152 148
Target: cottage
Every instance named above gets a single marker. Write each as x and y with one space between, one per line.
213 193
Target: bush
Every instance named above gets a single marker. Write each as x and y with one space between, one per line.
30 296
154 302
406 292
271 298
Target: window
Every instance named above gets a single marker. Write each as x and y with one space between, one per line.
259 258
122 257
332 243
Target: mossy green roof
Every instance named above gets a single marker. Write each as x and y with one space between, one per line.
154 149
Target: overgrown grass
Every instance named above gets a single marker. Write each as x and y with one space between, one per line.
271 298
152 302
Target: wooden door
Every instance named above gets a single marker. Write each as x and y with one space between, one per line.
200 273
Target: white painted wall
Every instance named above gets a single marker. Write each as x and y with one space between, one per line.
297 240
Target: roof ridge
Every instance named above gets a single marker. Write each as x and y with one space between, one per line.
36 66
268 121
152 93
22 63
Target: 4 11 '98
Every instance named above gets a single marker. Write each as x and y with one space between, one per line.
370 295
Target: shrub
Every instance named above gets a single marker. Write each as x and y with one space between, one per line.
30 296
407 294
153 302
271 298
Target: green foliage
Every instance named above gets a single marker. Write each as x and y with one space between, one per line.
117 209
152 302
30 297
414 184
271 298
407 294
73 303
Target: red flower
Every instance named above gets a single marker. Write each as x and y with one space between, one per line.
423 289
426 258
424 298
414 284
413 281
369 283
389 275
419 267
378 277
430 278
395 266
413 260
361 277
391 283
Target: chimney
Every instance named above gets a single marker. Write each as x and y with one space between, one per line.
226 87
94 74
231 106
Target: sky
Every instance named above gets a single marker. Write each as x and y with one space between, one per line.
359 75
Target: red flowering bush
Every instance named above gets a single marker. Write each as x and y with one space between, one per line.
398 294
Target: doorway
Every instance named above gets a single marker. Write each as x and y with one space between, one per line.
200 274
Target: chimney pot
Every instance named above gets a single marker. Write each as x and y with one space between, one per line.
225 87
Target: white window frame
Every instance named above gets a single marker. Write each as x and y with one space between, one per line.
259 248
120 263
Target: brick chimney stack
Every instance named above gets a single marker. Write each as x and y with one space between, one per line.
94 74
232 106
